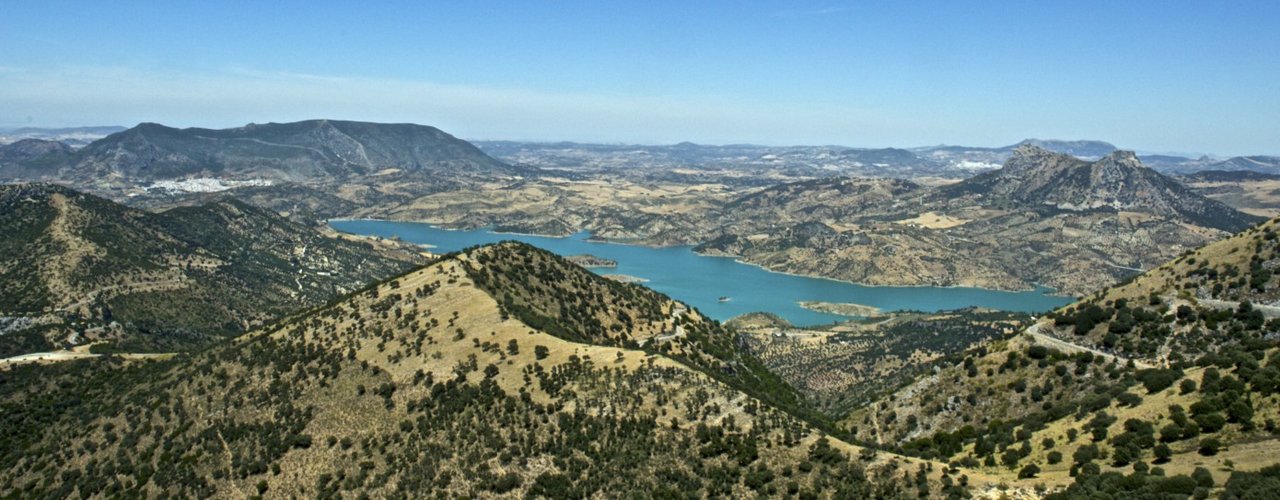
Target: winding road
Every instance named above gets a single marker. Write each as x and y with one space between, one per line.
1067 347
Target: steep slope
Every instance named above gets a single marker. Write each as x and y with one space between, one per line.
427 384
105 271
1221 282
307 151
1176 370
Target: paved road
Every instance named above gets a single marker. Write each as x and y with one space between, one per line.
1067 347
1267 311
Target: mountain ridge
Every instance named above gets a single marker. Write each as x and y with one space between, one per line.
305 151
171 279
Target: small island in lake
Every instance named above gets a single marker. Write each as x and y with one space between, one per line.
587 260
843 309
622 278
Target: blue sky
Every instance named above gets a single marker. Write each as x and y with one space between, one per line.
1153 76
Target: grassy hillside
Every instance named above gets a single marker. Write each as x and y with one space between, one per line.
162 281
1169 383
426 384
548 292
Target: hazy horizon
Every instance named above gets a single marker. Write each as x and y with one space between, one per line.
1148 76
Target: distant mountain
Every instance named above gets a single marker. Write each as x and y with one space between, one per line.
56 131
1083 149
1181 165
1036 177
1264 164
33 158
1229 176
762 164
1079 225
984 158
308 151
314 149
166 280
1170 163
72 136
894 157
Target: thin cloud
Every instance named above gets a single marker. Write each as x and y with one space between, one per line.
234 96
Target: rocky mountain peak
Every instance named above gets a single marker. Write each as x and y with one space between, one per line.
1029 158
1123 157
1037 178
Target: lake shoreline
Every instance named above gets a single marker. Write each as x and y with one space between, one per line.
704 281
1038 288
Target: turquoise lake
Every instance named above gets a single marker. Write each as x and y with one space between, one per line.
700 280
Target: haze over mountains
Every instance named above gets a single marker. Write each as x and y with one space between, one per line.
709 196
316 150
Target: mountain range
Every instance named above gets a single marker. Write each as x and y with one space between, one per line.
1081 225
307 151
1037 177
1076 216
72 136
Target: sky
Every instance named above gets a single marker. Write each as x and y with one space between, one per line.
1166 76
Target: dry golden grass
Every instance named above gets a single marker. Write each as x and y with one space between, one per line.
933 220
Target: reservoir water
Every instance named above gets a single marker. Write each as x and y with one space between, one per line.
701 281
